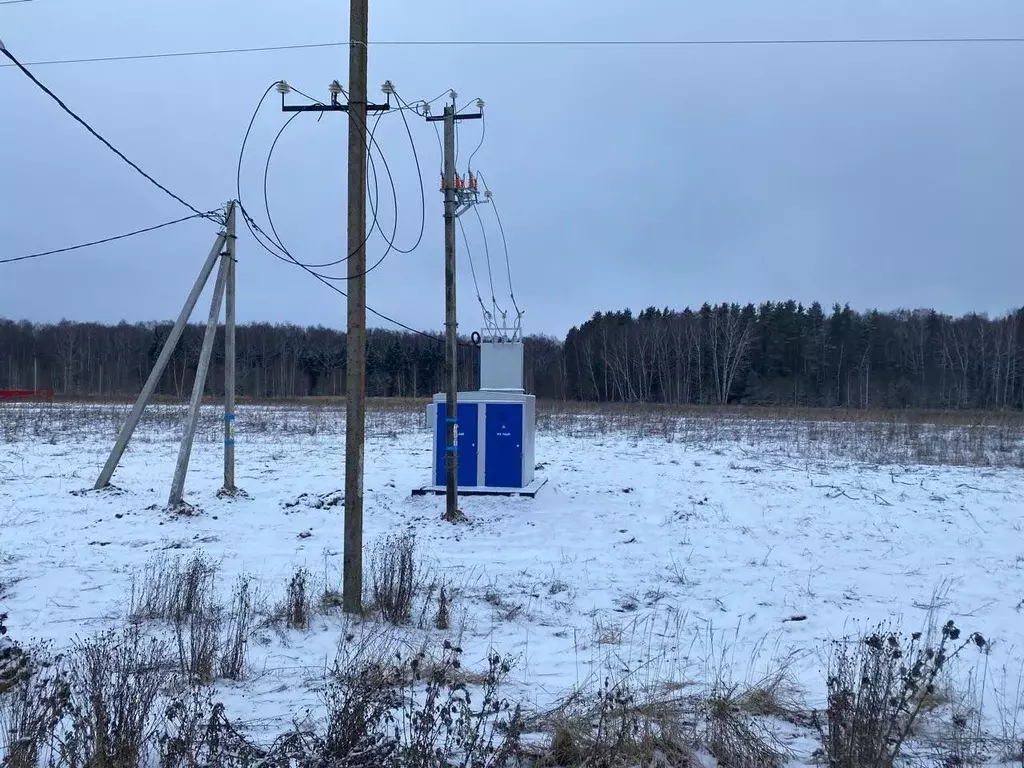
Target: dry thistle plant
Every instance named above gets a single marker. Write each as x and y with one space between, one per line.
877 691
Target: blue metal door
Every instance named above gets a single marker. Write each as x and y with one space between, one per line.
503 464
468 438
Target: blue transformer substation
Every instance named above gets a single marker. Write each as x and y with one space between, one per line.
496 428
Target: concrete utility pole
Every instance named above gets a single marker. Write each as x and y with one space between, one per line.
451 212
355 380
355 338
451 342
229 356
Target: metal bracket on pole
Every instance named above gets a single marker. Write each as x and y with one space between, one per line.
335 106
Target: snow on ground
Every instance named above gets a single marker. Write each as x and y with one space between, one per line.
664 556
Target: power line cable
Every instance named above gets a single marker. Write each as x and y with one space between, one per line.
504 244
440 148
252 225
437 98
419 174
472 270
249 221
374 200
266 174
691 42
311 98
259 235
487 255
91 130
610 42
372 145
106 239
422 107
238 184
376 223
483 133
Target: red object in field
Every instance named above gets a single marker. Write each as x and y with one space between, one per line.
26 394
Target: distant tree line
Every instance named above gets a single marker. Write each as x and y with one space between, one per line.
787 354
272 361
773 354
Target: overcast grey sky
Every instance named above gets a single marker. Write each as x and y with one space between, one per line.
883 176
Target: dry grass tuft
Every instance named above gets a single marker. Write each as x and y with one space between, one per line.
297 607
619 727
240 624
396 577
443 619
734 735
169 589
113 684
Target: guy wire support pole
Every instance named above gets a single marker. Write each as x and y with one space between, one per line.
161 363
355 337
451 212
175 500
229 355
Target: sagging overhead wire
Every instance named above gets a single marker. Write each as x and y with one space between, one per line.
490 274
504 243
483 135
421 108
373 201
372 145
254 228
394 193
251 224
419 176
108 239
287 257
488 317
691 43
96 134
262 238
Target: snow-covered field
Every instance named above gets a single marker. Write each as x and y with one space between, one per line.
679 551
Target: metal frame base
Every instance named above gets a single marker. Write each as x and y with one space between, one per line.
530 491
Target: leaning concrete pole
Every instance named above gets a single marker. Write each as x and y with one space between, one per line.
185 451
158 369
